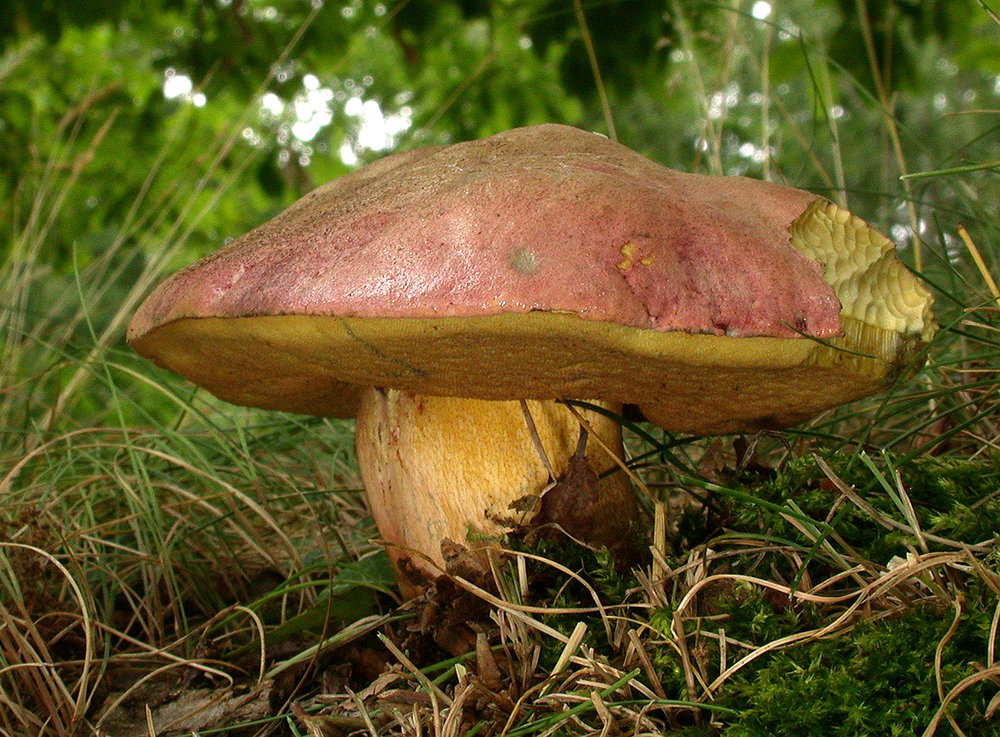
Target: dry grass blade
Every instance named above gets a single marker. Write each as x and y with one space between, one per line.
865 595
888 522
408 664
356 629
938 652
647 664
955 692
977 259
660 567
690 676
992 643
568 651
879 78
369 724
595 70
989 11
529 421
25 647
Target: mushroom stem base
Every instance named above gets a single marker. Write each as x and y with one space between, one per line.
468 470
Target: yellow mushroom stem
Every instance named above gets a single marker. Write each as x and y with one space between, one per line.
470 470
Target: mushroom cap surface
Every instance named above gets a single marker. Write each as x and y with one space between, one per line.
546 262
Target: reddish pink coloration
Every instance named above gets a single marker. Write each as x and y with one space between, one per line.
530 219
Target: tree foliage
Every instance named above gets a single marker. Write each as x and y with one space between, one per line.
456 70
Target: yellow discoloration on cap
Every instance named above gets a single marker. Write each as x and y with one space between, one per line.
628 252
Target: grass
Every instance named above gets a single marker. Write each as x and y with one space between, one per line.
169 562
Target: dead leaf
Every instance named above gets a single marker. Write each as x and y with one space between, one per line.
573 502
186 711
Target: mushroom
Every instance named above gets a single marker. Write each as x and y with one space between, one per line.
430 293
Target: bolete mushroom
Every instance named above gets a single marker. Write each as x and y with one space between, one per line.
429 293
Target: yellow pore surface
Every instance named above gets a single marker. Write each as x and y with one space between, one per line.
691 383
860 264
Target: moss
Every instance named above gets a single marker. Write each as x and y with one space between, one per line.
952 499
759 616
877 680
552 588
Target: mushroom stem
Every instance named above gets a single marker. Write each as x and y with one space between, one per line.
442 468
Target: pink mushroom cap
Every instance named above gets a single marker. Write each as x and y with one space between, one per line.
380 276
